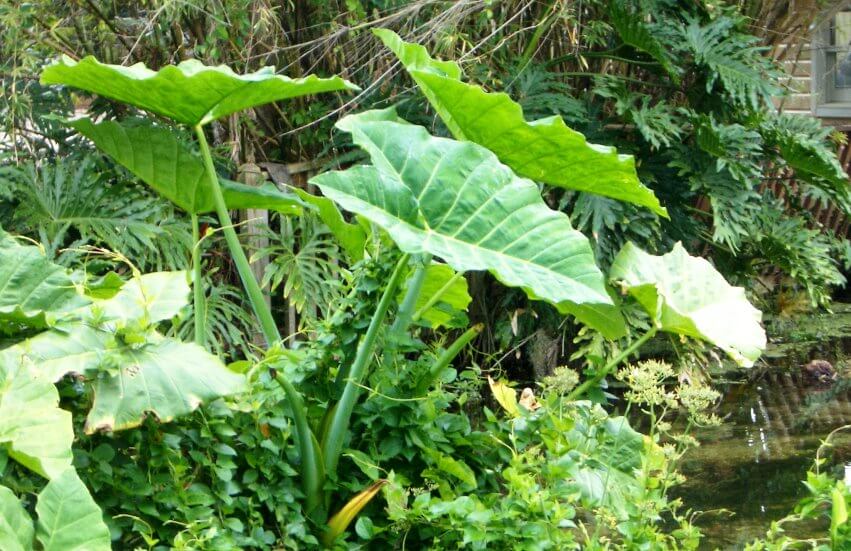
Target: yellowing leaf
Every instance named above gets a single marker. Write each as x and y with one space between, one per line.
341 520
506 396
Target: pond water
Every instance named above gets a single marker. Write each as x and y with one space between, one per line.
753 465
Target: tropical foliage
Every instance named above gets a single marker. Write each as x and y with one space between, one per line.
147 391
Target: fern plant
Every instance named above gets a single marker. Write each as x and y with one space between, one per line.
76 201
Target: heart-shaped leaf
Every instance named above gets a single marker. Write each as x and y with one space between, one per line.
36 432
31 286
545 150
191 92
456 201
158 158
68 517
687 296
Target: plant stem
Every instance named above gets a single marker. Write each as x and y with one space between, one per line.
437 296
415 284
312 473
448 355
200 304
593 381
332 442
255 294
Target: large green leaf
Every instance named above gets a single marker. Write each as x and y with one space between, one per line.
135 371
191 92
31 286
687 296
35 431
546 150
167 379
158 158
68 517
16 528
456 201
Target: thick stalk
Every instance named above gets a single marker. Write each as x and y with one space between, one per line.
332 442
200 305
312 471
593 381
444 359
255 294
437 296
415 284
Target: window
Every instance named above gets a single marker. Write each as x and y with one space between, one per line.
831 69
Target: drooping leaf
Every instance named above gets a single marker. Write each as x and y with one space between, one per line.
687 296
167 379
68 517
16 527
456 201
35 431
158 158
545 150
31 286
351 237
191 92
454 297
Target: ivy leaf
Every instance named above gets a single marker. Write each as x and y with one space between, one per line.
68 517
16 527
36 432
157 157
687 296
191 92
545 150
456 201
31 286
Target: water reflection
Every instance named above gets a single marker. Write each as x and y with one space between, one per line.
753 465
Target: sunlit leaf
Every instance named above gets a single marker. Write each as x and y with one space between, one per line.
687 296
456 201
191 92
546 150
505 397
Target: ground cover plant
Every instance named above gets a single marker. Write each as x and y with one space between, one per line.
385 422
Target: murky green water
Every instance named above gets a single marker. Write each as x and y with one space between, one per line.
753 464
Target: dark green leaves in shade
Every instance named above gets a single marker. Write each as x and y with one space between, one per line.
156 156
